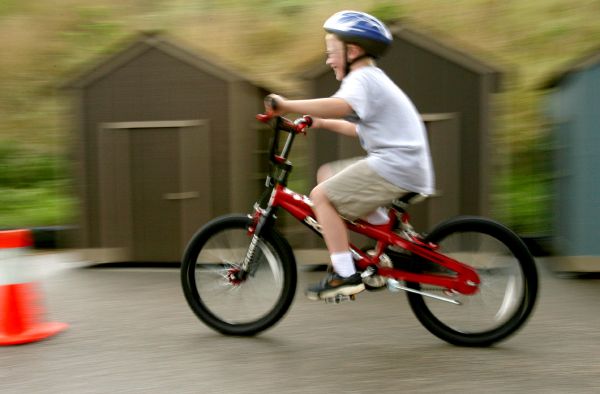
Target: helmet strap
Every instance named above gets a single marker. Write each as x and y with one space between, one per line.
349 63
346 61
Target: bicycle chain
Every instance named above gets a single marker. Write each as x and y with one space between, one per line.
387 261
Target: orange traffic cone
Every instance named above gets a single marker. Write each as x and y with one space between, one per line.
20 306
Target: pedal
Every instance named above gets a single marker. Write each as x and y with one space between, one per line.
340 298
393 285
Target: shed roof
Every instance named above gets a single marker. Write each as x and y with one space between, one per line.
149 40
588 60
408 33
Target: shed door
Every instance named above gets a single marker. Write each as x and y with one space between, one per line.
154 174
159 183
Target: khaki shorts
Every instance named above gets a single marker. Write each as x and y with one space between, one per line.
356 190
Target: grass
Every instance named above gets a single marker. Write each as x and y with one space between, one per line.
34 188
46 204
273 40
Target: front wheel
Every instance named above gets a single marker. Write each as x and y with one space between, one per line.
506 294
227 299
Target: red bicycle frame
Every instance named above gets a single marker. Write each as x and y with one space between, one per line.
463 278
465 281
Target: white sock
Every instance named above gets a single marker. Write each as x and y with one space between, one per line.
343 264
378 216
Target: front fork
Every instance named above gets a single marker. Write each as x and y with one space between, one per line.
262 219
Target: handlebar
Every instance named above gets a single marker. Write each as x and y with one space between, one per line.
298 126
279 158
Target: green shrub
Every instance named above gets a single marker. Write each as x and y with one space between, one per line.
34 188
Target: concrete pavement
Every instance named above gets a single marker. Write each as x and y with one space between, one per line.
131 331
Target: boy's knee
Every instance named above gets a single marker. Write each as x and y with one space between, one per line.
318 195
323 173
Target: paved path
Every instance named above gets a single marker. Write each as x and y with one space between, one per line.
131 331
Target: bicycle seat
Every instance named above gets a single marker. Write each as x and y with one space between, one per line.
407 199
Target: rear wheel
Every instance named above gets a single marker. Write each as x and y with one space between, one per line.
507 292
227 299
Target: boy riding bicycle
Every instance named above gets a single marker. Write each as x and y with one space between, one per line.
369 106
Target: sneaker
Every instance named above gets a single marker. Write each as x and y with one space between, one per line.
334 285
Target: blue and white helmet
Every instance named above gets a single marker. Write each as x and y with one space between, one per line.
362 29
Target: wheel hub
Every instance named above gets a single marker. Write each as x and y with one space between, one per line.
236 276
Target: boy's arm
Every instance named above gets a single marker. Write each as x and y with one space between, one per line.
336 125
330 107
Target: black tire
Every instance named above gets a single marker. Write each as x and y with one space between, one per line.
252 305
506 295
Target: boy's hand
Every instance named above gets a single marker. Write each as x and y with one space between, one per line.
316 123
273 104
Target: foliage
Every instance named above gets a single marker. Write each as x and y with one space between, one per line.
45 204
22 169
8 6
524 194
388 11
272 40
34 189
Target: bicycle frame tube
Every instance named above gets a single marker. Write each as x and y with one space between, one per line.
465 281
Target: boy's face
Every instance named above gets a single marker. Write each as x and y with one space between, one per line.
335 56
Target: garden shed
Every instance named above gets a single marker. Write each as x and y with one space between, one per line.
573 110
453 91
165 143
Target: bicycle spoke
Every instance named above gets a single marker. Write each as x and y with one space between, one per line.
506 293
237 301
499 291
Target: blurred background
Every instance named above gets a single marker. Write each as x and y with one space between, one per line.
47 43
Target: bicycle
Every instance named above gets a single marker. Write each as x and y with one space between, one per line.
471 281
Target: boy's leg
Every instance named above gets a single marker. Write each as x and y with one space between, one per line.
378 216
354 192
326 171
335 236
344 280
335 233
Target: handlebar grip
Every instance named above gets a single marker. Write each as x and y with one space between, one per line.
309 120
266 117
272 102
303 123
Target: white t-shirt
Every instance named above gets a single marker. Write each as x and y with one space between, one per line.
390 129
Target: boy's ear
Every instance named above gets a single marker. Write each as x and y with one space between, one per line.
354 51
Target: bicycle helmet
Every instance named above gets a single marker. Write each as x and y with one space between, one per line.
362 29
